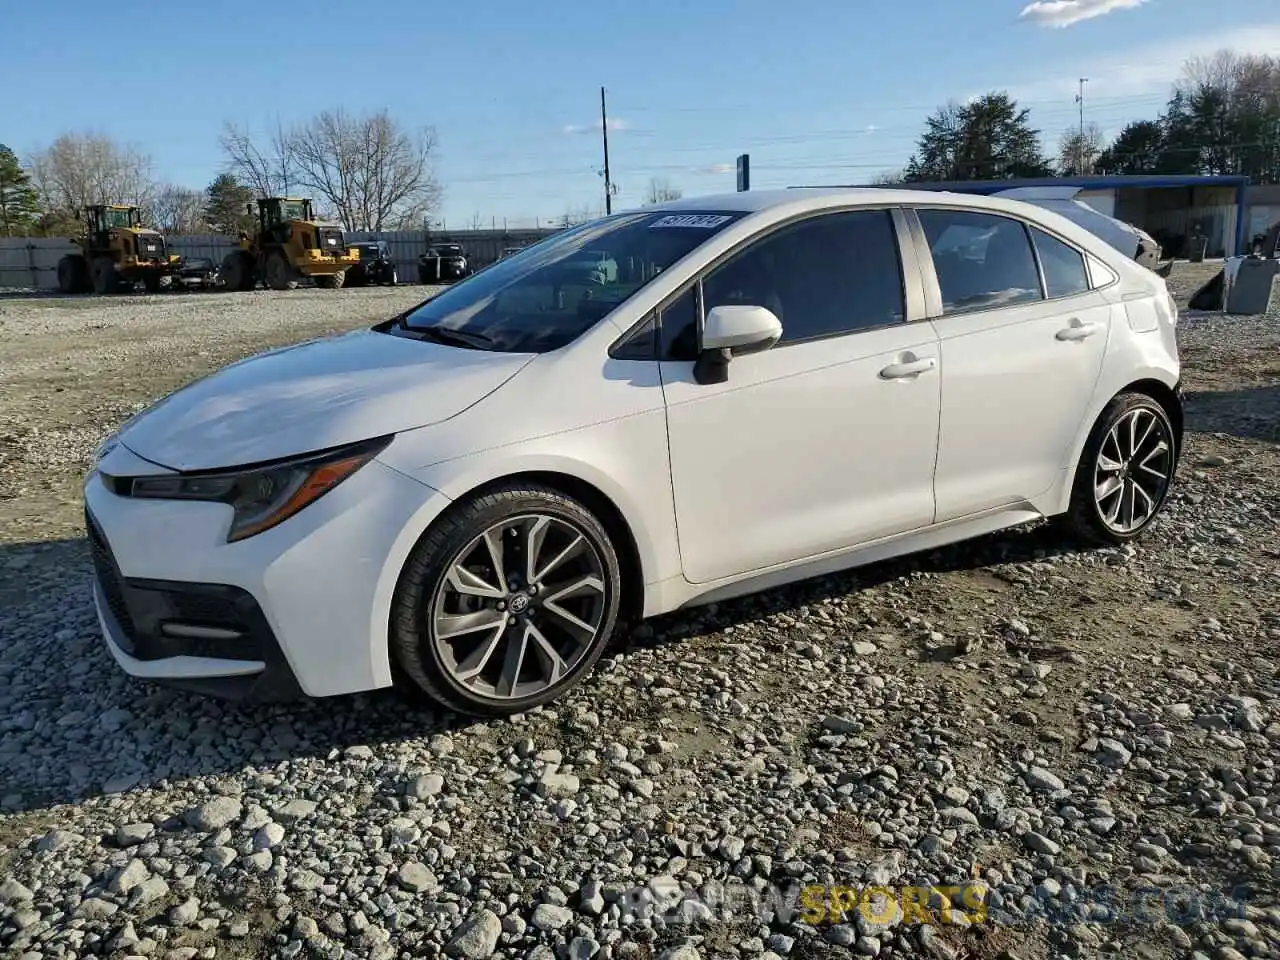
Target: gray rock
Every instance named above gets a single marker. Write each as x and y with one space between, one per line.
132 834
1041 844
268 837
1113 753
184 914
583 948
429 785
95 908
683 951
476 937
214 814
11 891
55 840
295 810
842 934
1039 778
557 786
838 724
548 917
416 878
149 891
133 874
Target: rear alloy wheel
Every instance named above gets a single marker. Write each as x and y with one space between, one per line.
507 602
1125 472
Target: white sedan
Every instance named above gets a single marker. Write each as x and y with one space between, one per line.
472 497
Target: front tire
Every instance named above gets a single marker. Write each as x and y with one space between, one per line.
507 602
279 274
73 274
104 276
1125 473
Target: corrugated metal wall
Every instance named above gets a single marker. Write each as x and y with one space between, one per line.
32 262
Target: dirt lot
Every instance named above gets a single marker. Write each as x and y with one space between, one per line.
1086 742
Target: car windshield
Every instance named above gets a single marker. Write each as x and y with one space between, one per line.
540 298
449 251
368 252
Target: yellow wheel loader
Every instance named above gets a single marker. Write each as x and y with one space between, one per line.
289 244
116 251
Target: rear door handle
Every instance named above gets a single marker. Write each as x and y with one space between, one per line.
1078 330
908 369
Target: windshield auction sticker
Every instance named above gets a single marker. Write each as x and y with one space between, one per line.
701 221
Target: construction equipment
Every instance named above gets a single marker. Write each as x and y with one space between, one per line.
115 251
289 244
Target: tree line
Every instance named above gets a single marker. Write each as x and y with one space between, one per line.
1223 117
369 172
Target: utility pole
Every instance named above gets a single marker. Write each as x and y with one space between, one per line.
604 132
1080 138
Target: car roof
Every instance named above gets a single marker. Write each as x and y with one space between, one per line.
801 199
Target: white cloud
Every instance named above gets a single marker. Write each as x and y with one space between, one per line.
717 168
614 124
872 128
1063 13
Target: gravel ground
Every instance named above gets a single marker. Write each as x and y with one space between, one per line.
1081 746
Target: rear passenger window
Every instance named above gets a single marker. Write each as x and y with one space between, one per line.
982 260
1064 269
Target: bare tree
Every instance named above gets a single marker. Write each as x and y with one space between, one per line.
373 173
78 169
660 190
177 210
265 166
888 177
1078 155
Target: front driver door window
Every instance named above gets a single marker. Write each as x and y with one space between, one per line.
807 448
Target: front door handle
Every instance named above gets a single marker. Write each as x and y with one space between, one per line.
907 369
1078 330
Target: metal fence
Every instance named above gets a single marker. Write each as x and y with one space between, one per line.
32 262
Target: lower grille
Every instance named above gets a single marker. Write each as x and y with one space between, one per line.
109 579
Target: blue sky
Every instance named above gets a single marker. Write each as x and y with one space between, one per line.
817 92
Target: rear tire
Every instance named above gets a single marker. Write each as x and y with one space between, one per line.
485 643
104 276
393 278
151 281
279 274
1125 473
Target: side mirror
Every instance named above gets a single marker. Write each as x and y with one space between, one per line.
733 331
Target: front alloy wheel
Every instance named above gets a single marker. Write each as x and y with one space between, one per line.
507 601
519 607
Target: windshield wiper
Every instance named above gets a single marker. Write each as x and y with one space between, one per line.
459 338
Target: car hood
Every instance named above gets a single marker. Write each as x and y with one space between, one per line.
312 396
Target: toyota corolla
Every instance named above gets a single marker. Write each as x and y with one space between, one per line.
473 497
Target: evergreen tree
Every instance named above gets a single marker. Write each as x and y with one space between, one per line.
18 203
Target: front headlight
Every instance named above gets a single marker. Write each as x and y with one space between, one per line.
266 495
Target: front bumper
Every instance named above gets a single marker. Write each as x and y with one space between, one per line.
301 607
207 637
